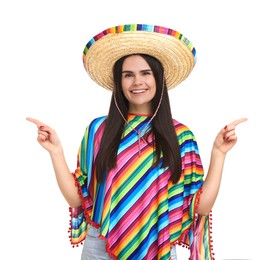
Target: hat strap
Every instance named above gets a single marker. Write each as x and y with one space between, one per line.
139 132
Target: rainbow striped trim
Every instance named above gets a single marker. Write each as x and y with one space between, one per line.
140 27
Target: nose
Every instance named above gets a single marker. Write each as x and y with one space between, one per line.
138 80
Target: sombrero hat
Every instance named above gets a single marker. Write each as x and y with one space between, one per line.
171 48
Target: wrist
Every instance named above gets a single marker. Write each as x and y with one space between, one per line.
217 153
56 153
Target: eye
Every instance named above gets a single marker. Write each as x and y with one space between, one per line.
147 72
127 75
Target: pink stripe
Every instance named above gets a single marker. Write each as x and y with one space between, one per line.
137 209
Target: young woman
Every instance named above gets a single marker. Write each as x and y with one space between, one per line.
139 186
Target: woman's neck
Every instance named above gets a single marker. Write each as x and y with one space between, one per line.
140 110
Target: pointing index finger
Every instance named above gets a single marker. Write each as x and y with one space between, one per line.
35 121
238 121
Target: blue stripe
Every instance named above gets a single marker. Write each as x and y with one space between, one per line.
99 203
132 136
90 146
143 247
133 195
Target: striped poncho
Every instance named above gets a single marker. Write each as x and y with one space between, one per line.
140 212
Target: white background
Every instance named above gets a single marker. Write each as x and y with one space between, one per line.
42 77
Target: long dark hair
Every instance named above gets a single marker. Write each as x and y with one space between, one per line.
166 141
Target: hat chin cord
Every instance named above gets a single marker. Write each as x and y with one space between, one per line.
140 133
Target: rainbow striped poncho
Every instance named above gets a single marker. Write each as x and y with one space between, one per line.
139 211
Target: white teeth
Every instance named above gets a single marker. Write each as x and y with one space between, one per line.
138 91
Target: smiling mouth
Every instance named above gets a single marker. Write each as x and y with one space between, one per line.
138 91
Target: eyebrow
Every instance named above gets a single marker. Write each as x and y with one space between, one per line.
128 71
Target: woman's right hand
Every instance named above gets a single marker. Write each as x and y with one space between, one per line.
47 137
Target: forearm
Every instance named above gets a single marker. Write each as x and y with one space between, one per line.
212 182
224 141
65 179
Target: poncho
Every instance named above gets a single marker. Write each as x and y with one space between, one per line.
140 212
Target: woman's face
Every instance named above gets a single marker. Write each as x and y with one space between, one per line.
138 84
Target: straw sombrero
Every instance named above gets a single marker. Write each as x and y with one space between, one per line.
171 48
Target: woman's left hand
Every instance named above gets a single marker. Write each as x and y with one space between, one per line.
227 138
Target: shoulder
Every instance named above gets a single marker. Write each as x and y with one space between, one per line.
97 121
183 131
94 125
181 128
